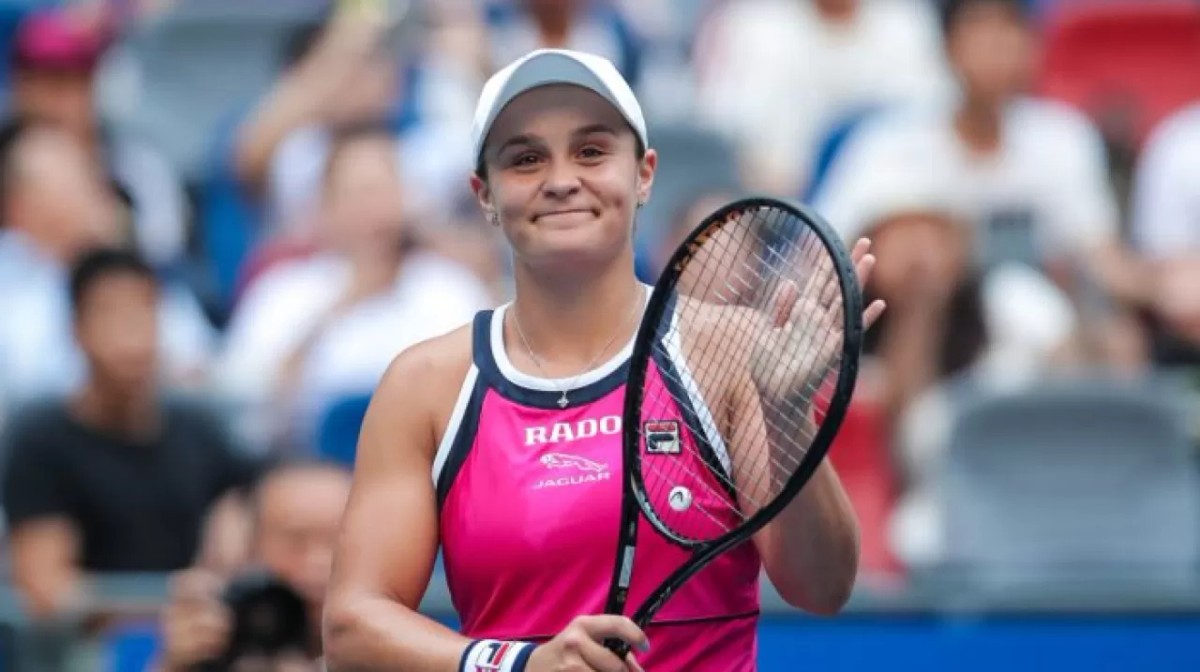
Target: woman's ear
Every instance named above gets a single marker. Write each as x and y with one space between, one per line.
483 194
646 168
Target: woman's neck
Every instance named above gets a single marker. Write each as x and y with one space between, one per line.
572 327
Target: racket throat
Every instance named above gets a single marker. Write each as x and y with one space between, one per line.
626 576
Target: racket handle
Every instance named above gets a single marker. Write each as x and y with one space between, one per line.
617 646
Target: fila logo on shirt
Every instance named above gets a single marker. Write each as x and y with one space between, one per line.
662 437
565 432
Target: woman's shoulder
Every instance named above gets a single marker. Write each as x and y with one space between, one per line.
430 372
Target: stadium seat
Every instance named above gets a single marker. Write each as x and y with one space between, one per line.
132 647
1127 63
338 429
1070 480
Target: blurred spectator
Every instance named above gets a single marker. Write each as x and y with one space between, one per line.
343 72
312 329
948 318
54 61
117 477
53 205
947 315
1030 173
777 75
1166 228
516 27
294 518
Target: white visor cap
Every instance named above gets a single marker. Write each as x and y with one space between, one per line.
554 66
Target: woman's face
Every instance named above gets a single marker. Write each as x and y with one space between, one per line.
564 178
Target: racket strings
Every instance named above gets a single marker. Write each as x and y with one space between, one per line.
758 305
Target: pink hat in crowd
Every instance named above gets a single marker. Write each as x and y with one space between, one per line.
54 40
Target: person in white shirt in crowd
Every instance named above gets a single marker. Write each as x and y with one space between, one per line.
313 329
1031 173
776 75
949 319
54 204
1166 230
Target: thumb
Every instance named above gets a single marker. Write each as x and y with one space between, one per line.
785 299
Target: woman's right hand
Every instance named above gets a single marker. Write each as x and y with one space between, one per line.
580 647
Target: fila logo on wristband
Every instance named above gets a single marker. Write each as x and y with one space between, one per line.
490 655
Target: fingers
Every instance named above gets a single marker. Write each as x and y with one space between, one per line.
599 658
833 287
600 628
583 643
860 249
195 586
785 299
196 623
872 313
864 262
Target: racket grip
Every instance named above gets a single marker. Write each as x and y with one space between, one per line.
617 646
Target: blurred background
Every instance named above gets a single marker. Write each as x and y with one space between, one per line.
221 219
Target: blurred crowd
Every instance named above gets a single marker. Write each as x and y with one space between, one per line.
221 219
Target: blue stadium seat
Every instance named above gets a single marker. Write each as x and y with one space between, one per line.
132 647
338 429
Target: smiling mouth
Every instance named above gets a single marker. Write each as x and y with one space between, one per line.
562 213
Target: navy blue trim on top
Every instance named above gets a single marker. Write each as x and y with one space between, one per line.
464 439
489 374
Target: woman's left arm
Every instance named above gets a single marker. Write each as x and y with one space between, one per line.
810 550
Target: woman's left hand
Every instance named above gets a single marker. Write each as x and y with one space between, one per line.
796 353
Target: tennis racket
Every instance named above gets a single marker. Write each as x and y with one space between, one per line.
741 372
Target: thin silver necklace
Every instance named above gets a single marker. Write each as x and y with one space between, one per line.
537 361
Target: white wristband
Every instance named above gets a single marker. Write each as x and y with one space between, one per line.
492 655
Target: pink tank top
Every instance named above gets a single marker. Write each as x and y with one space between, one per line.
529 499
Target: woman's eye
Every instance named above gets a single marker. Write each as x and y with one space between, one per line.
591 152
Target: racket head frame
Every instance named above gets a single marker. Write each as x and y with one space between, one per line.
635 501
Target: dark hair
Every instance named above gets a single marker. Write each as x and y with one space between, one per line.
99 263
951 10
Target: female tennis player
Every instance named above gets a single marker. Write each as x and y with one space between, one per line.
501 443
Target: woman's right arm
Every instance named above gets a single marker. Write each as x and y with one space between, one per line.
389 537
389 542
